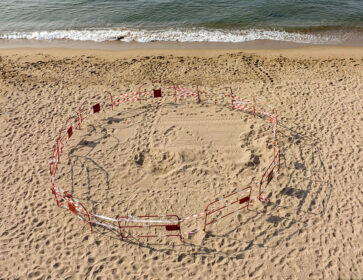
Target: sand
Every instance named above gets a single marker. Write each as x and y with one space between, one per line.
159 157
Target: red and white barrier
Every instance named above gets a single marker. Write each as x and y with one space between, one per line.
270 173
161 228
160 225
241 197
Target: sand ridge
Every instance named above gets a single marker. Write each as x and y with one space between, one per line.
312 226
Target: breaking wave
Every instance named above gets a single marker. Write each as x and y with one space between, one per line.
175 35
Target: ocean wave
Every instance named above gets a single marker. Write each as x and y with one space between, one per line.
175 35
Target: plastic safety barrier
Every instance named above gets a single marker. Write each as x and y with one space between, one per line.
160 225
241 197
269 174
162 228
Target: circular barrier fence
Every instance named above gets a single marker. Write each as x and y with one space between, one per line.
168 225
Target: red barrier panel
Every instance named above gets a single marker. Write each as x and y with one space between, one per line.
70 132
96 108
269 173
76 208
149 222
157 93
240 197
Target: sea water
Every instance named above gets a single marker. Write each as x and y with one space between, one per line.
302 21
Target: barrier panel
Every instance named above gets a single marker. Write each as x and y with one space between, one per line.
77 209
269 174
157 93
161 225
64 199
94 105
187 92
130 97
241 197
243 104
131 226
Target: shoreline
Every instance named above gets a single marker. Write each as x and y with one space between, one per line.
112 50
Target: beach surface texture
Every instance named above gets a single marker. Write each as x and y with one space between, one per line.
162 156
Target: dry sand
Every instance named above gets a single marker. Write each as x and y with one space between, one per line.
161 157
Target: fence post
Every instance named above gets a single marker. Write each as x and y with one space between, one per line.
88 215
231 96
59 149
79 118
254 107
198 94
278 162
205 218
112 102
175 97
139 91
119 228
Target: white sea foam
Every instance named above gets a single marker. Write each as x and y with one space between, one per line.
176 35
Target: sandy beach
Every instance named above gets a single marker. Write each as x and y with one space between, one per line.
160 157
